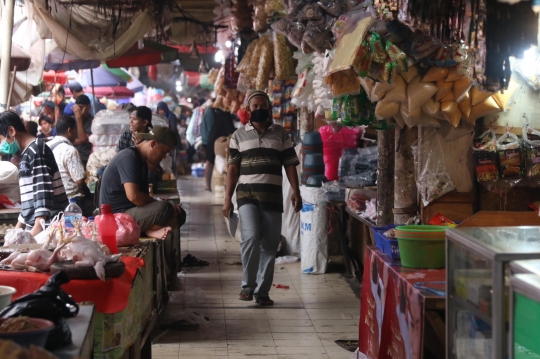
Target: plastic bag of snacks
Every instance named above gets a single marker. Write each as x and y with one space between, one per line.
296 34
266 62
343 83
432 180
332 7
318 40
252 68
509 151
281 26
283 58
362 62
486 159
259 20
531 142
244 64
310 12
274 7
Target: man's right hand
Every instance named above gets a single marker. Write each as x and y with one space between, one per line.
227 208
136 139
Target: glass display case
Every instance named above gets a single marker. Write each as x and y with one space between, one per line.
525 316
477 281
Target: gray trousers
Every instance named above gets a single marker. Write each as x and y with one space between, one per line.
261 232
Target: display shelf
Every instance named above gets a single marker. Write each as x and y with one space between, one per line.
477 265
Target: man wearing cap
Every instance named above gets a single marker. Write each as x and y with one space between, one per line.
125 184
76 91
84 127
49 109
258 151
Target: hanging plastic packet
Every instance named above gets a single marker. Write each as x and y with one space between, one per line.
317 39
336 107
296 33
310 12
509 157
378 53
388 71
363 60
485 158
531 141
333 7
352 110
398 57
281 26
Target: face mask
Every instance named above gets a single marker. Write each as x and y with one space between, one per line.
9 148
260 115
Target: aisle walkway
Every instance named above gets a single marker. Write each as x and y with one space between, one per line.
304 323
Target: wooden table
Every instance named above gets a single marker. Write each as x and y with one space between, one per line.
9 216
402 309
82 335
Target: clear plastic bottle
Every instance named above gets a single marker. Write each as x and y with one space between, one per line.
72 214
106 226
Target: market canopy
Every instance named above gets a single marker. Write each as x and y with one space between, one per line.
151 54
111 91
102 77
58 60
19 58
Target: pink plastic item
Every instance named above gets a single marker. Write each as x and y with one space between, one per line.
128 232
333 145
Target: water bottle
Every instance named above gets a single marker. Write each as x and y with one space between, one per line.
106 226
72 214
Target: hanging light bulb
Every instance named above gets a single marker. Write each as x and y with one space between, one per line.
228 43
194 52
219 57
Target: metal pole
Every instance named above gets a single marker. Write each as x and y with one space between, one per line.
93 93
5 55
11 85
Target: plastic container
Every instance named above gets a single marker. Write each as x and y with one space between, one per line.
197 172
389 246
422 247
72 214
333 145
106 226
316 181
313 165
5 295
37 337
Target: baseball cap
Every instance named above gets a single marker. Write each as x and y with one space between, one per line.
161 134
145 113
74 86
50 104
256 93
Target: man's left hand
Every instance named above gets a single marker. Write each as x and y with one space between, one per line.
296 201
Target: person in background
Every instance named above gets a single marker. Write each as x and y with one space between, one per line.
206 127
31 128
70 164
140 121
125 184
258 151
163 110
58 95
42 192
84 127
49 109
46 127
77 90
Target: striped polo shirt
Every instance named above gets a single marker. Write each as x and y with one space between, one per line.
42 190
261 157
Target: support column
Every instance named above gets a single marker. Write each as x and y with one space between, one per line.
385 176
5 56
405 192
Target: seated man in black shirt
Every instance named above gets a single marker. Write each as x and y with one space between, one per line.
125 184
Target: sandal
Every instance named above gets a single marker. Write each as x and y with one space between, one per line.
264 301
246 295
192 261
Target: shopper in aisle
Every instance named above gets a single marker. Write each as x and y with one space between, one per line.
84 127
42 193
49 109
46 127
58 95
258 151
76 91
70 164
31 128
206 128
125 184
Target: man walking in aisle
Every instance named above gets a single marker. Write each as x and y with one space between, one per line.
258 151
